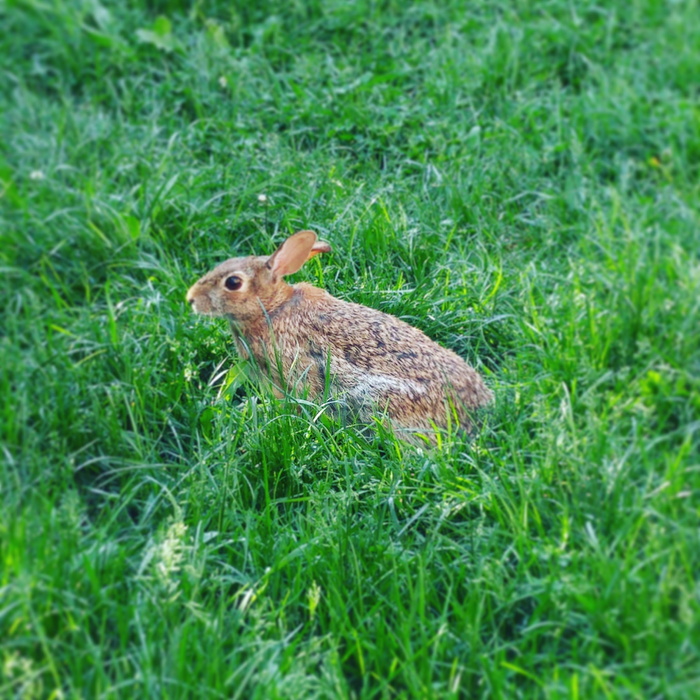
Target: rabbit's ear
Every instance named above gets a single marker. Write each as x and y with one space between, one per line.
319 247
294 252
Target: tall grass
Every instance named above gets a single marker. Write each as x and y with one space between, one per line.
519 180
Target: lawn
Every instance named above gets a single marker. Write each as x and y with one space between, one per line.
520 180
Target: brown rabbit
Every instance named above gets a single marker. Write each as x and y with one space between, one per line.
301 335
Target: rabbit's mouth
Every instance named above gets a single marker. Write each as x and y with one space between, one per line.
200 304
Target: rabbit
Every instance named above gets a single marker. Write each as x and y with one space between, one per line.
373 363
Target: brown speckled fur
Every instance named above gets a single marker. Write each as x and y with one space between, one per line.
301 335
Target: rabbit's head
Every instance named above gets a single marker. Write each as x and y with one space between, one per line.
245 289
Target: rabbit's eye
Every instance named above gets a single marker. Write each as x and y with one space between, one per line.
233 283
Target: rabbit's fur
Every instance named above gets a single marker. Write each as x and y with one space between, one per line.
371 361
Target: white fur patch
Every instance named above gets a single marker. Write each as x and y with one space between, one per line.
373 385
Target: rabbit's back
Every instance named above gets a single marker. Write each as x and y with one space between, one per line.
370 359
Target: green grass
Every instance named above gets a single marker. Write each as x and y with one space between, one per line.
520 180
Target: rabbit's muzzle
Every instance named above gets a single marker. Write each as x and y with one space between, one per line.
200 303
